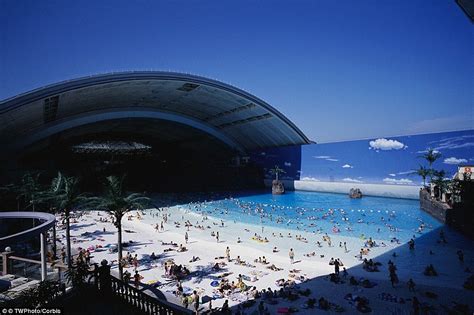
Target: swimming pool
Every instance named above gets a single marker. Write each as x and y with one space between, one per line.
380 218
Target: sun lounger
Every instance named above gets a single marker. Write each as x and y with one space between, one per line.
7 277
24 286
18 281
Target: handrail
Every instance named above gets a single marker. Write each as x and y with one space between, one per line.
144 302
55 265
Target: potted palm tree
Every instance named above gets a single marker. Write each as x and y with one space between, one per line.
117 202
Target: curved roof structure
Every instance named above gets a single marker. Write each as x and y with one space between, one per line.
47 221
235 117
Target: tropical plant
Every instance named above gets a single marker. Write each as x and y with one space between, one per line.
431 156
441 182
117 202
277 171
39 296
65 194
77 274
29 190
423 172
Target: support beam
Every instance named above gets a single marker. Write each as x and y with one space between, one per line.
55 256
44 248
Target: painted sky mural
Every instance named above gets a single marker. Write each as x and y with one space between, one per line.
380 160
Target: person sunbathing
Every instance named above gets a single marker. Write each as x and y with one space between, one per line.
239 261
274 268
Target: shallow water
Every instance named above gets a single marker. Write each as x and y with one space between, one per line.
381 218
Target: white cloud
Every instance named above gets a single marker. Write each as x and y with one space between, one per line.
451 143
347 166
351 180
386 144
287 164
325 157
454 161
391 174
310 178
405 173
403 181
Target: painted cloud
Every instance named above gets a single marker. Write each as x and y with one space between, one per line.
325 157
351 180
347 166
386 144
454 161
453 143
403 181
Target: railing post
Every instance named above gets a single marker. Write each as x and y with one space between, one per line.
5 256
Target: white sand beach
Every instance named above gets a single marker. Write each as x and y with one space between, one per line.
307 272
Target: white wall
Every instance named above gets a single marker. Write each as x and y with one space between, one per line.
378 190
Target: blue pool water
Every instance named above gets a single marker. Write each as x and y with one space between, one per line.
380 218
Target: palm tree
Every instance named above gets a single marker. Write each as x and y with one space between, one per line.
117 202
66 196
423 172
276 171
29 189
431 156
440 182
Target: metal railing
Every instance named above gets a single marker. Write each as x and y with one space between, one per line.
144 302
